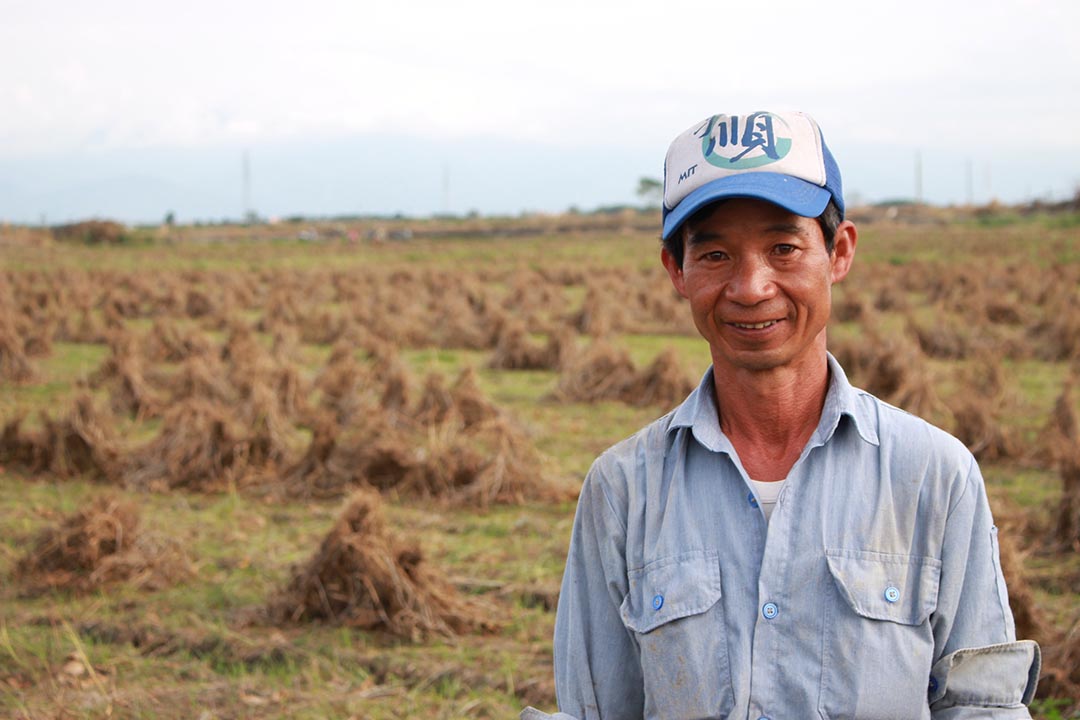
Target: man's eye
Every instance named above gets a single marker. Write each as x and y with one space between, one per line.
716 255
784 249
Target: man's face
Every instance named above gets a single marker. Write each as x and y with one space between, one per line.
759 281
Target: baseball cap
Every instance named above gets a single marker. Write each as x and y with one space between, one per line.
780 157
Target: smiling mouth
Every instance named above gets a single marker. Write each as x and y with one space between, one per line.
754 326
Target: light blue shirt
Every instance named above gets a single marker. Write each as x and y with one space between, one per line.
875 591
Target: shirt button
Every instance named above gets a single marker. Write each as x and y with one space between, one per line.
769 610
657 602
892 594
751 499
933 684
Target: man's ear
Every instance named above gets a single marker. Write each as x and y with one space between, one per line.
674 271
844 250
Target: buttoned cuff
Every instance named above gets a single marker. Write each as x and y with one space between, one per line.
994 676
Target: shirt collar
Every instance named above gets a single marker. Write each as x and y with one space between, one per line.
698 412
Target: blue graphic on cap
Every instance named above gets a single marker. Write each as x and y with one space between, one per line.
757 134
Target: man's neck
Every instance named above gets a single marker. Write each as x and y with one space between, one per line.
770 415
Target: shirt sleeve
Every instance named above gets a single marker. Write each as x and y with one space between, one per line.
980 670
597 668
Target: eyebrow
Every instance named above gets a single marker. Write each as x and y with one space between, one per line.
697 238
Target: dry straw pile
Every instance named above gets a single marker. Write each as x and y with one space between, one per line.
101 543
604 371
365 576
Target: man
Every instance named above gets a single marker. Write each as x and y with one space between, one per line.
781 545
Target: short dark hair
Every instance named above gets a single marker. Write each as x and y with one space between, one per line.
829 220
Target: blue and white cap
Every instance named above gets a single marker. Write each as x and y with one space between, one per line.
778 157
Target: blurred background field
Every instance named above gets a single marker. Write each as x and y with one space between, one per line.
328 469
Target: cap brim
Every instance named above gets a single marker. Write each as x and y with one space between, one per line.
791 193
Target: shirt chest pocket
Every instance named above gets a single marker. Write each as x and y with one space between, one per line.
674 608
878 645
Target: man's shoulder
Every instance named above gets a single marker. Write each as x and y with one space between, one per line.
900 430
626 460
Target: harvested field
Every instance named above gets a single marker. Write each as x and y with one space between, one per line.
269 479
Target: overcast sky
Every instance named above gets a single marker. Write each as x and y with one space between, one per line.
131 109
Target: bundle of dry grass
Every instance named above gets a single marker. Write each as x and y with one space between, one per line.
316 474
890 298
457 448
1060 676
21 449
601 372
1062 430
470 402
324 328
341 382
269 434
663 383
977 423
130 393
242 348
99 544
80 326
363 575
292 391
201 446
435 403
894 369
1068 519
463 319
515 351
80 442
199 377
1056 337
168 342
15 365
979 410
392 372
532 298
444 460
1031 624
501 467
603 311
852 306
947 337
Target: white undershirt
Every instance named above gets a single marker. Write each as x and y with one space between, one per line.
767 494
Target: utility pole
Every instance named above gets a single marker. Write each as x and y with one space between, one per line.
446 188
918 177
970 181
247 214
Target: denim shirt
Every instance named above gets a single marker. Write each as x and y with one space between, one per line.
875 591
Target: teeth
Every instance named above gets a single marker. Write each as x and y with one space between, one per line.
755 326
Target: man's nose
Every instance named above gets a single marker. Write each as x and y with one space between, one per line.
751 283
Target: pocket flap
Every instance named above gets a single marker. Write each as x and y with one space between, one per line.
671 588
886 586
